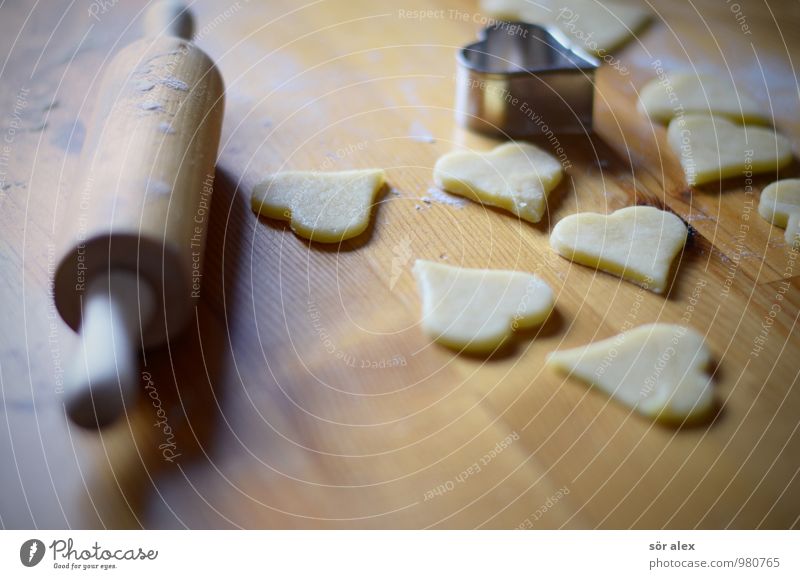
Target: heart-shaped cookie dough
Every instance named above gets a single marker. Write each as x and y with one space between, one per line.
663 98
475 310
780 205
326 207
714 148
514 176
658 369
597 27
636 243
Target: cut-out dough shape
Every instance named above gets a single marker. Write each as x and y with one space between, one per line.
638 244
475 310
325 207
780 205
597 27
514 176
661 99
660 370
714 148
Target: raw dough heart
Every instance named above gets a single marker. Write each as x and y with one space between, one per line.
477 309
661 99
326 207
598 27
514 176
714 148
658 369
780 205
635 243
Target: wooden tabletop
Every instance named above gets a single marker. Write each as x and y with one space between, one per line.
304 393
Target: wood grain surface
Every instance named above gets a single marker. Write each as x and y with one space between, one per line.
304 393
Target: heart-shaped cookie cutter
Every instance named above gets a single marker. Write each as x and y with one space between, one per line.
524 80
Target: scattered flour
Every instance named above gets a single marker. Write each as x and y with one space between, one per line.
151 106
174 83
751 255
438 196
699 217
420 133
159 188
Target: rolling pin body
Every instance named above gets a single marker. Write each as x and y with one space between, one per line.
142 206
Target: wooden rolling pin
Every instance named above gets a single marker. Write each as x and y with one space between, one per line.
134 230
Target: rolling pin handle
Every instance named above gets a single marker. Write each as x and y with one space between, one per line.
104 376
169 18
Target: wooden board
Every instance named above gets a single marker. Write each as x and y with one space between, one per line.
305 394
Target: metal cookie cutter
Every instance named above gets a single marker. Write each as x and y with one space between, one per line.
524 80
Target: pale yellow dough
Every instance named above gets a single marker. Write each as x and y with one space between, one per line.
326 207
514 176
636 243
597 27
660 370
780 205
662 99
714 148
475 310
